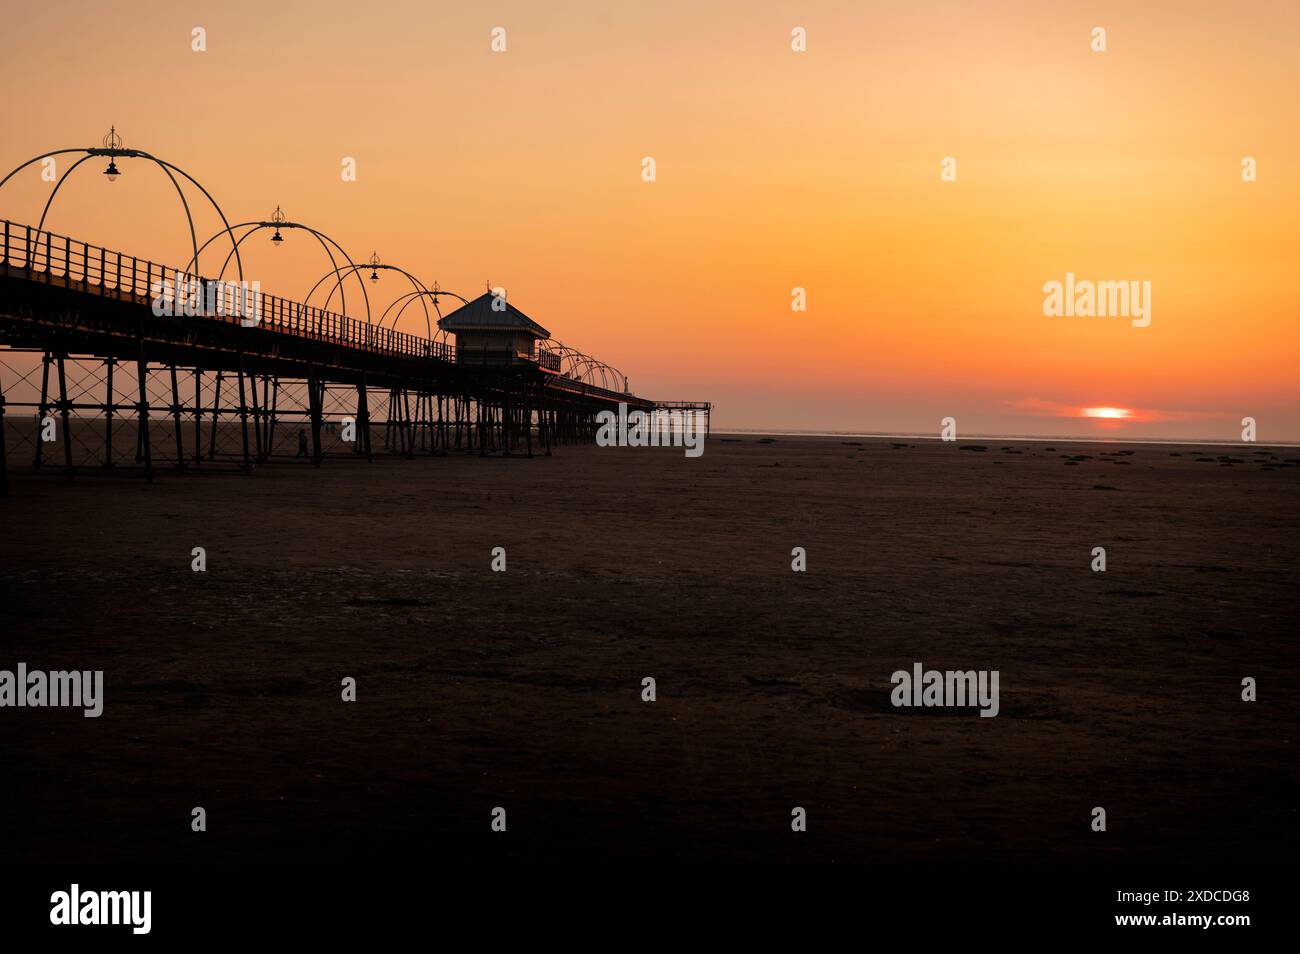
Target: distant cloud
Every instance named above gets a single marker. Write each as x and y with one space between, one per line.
1110 414
1037 407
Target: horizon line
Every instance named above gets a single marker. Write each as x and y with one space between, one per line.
1196 442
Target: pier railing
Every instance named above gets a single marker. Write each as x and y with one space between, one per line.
45 256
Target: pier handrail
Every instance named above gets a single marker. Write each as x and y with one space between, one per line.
46 256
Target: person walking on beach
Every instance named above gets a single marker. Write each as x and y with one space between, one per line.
302 443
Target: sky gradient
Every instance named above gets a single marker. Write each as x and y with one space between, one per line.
775 169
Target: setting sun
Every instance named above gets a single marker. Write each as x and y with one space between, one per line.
1110 413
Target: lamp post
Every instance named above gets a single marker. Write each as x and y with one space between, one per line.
113 148
277 219
113 145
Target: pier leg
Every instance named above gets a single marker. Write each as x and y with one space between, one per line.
42 409
388 421
408 429
216 415
442 428
243 417
365 411
362 443
176 417
315 398
65 413
428 428
264 412
142 376
256 411
109 404
272 405
198 416
421 427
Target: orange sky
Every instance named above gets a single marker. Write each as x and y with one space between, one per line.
775 169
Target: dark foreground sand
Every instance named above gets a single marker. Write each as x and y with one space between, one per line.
522 689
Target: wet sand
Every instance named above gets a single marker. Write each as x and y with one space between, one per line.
523 689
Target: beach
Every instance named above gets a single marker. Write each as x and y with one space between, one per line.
523 689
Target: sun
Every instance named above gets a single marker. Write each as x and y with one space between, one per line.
1107 413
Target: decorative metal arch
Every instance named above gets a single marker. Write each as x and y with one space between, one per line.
374 265
114 149
409 297
585 368
572 355
609 375
277 222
